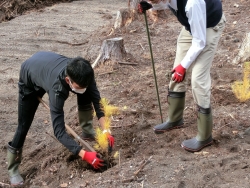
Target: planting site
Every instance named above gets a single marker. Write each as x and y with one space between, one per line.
140 157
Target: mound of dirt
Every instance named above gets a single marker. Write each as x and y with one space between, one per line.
10 9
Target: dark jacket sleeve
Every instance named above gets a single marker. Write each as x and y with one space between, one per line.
95 98
57 117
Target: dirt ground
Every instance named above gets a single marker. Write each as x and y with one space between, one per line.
77 29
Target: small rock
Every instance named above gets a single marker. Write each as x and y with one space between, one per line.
64 185
236 5
247 131
236 40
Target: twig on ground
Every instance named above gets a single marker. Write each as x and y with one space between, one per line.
226 111
97 60
220 128
119 126
127 63
231 115
4 184
128 180
185 134
109 72
119 157
142 46
142 166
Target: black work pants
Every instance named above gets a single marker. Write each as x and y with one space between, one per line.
27 106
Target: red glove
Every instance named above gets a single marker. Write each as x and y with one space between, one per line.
92 159
110 137
111 140
179 73
143 6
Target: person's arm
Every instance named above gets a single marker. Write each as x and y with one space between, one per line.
95 98
102 122
57 116
196 13
56 103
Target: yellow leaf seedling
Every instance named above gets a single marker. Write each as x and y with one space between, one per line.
109 110
102 141
241 89
101 138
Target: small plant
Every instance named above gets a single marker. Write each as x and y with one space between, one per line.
241 89
101 138
101 141
109 110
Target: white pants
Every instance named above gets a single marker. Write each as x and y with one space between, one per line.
200 68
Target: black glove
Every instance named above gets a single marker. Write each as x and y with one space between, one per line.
143 6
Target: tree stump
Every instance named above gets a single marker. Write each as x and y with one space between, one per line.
133 4
112 49
126 15
244 53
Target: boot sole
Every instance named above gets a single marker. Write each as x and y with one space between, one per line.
20 185
163 131
193 150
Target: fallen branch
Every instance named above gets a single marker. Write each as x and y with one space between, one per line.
4 184
3 71
106 73
96 61
142 166
127 63
119 126
128 180
215 131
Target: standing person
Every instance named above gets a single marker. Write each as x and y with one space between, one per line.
57 75
203 22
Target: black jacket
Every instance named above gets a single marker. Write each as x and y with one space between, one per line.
46 70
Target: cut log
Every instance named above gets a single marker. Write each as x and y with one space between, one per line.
112 49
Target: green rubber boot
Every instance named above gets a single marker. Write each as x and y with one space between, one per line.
176 102
204 136
85 114
14 157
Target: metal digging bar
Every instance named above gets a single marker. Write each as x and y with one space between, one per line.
71 131
153 65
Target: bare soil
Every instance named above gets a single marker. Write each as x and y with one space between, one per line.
77 29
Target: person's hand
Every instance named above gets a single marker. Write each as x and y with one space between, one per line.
143 6
111 139
179 73
91 158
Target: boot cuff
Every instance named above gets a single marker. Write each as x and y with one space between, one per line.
203 110
86 107
176 94
13 150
